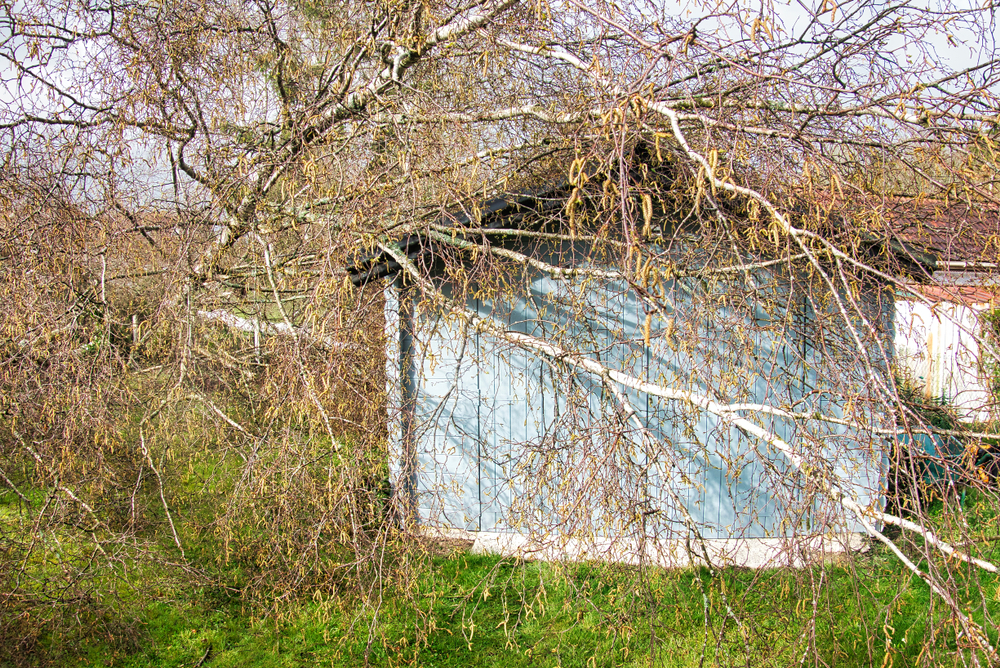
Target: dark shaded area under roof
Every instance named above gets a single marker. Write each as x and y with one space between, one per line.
503 212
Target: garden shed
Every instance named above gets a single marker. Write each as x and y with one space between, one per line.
524 452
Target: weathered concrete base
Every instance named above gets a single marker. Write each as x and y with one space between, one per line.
795 552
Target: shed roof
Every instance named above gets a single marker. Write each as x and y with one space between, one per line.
957 232
922 235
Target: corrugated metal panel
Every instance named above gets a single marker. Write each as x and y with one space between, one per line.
937 347
494 416
446 424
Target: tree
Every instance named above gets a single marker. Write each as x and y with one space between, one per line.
187 183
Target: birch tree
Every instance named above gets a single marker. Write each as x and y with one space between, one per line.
186 185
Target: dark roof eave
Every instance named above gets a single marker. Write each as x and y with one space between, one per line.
499 212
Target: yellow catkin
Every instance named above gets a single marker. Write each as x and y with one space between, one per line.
644 275
647 214
575 170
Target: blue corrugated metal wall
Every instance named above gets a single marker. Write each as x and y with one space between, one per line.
505 442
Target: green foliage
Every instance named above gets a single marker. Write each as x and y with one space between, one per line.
989 321
56 593
931 413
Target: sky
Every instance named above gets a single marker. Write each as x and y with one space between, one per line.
947 43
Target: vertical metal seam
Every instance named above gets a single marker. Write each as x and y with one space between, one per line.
479 425
408 378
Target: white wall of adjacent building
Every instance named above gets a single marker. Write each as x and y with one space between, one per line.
938 346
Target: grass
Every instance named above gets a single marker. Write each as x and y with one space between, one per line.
469 610
475 610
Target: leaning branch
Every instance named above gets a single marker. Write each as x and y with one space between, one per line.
253 325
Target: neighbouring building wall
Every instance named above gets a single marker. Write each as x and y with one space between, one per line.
506 441
937 347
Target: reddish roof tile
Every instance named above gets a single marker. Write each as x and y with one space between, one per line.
960 294
956 232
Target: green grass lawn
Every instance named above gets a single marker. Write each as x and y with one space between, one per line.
468 610
460 609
